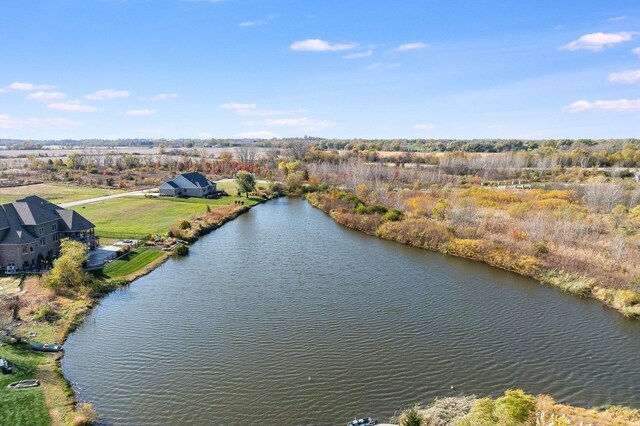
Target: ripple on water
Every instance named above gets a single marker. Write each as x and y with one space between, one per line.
232 334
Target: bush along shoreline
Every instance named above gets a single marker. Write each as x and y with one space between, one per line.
52 306
438 235
514 408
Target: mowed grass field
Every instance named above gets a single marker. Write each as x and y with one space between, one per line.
131 262
22 406
54 192
149 215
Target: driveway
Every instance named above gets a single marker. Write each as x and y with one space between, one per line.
106 197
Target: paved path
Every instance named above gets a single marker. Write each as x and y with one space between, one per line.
106 197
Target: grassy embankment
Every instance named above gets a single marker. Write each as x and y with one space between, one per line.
53 315
514 408
54 192
548 235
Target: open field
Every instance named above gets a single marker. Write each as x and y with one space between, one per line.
130 263
149 215
56 193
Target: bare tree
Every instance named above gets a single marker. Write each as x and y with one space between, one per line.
246 153
298 149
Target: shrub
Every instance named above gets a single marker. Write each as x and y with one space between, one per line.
392 216
515 407
411 418
540 249
184 224
45 313
481 414
181 250
446 411
84 415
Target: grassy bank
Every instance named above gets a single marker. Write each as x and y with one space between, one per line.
131 262
514 408
460 233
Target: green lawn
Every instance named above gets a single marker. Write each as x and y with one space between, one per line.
54 192
22 406
132 262
148 215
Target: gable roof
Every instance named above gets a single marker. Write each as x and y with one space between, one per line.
34 211
196 179
171 184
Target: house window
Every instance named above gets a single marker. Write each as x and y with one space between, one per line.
43 242
40 230
54 227
56 237
31 249
25 250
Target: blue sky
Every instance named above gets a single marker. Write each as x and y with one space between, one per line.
330 68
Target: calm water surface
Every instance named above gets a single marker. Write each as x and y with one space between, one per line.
283 317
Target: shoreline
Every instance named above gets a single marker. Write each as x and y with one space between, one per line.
576 285
60 399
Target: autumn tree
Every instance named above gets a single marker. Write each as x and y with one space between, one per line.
68 269
246 182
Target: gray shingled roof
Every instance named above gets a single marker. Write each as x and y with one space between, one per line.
197 179
34 211
73 220
16 233
172 184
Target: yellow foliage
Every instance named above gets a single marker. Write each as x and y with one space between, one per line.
465 247
551 203
490 196
558 194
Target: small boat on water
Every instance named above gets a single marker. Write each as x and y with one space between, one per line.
47 347
367 421
5 366
23 384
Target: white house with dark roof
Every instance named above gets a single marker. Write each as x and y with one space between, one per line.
31 230
188 185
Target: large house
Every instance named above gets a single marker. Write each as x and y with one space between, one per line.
31 230
188 185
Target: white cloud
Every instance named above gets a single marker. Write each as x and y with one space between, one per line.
626 77
107 94
383 65
205 135
161 97
236 106
45 96
614 105
258 22
10 123
598 41
636 51
617 18
304 122
256 135
252 110
425 126
359 55
317 45
28 87
72 106
141 112
410 46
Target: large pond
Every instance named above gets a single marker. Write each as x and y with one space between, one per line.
283 317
